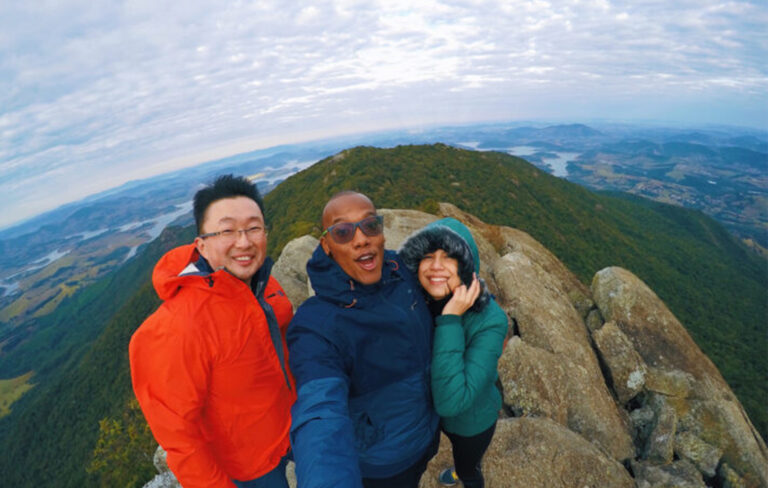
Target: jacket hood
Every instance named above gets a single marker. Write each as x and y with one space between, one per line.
184 266
331 283
456 240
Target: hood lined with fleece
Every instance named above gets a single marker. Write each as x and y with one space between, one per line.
456 240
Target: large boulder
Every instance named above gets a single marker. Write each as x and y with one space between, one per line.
554 342
290 270
626 368
538 453
399 224
704 404
505 240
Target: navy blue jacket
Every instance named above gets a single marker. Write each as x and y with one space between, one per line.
361 356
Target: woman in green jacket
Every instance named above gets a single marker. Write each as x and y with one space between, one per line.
470 329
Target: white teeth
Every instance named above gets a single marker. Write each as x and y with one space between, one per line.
367 257
243 258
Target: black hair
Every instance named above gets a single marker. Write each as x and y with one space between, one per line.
225 186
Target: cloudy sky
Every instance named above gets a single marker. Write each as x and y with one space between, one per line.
96 93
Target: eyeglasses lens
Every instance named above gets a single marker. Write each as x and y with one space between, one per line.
344 232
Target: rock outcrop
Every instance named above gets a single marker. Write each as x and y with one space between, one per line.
602 387
290 270
539 452
696 412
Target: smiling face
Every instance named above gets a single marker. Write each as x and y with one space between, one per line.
362 257
439 274
244 255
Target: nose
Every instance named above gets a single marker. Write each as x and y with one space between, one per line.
359 239
436 263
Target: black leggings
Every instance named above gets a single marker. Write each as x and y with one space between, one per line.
468 454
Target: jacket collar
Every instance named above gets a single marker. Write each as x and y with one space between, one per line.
332 284
184 266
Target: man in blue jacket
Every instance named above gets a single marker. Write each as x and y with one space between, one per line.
360 351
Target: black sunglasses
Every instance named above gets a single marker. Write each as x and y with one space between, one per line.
343 232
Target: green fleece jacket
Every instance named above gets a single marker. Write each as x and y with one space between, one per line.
464 356
465 348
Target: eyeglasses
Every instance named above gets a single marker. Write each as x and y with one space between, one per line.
343 232
232 235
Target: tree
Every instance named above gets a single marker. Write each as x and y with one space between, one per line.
124 450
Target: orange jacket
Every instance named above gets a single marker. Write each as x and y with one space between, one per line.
208 377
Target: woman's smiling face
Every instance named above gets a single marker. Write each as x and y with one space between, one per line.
438 274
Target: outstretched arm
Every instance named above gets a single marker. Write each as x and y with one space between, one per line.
322 435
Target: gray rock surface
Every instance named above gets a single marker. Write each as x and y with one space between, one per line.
704 456
626 367
560 376
164 477
538 453
399 224
660 445
679 474
704 404
290 270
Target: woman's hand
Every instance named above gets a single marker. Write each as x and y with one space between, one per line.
463 298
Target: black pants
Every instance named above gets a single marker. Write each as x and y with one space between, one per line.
468 454
410 477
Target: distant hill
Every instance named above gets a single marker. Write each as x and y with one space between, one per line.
550 136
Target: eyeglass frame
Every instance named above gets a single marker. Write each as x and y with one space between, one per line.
355 225
225 232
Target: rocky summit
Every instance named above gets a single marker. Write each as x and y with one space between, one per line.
602 385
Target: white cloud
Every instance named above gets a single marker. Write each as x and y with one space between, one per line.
121 88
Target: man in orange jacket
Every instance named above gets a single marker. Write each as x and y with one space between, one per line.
210 366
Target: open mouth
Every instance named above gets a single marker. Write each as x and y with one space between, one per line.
367 261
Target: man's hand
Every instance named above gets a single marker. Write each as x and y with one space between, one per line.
463 298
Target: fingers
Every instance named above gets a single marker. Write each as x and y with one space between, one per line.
463 297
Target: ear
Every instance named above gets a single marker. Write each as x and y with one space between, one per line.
324 244
200 245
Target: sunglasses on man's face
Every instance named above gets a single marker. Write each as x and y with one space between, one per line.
343 232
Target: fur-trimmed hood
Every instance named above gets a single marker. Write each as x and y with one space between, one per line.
456 240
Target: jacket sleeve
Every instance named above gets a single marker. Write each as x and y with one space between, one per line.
322 435
170 376
459 370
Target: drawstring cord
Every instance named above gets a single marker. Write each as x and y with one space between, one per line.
354 300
